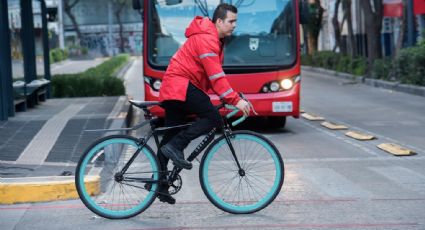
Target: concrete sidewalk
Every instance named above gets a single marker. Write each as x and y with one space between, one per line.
40 148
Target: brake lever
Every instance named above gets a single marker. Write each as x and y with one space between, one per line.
249 103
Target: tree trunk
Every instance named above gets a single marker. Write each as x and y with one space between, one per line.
392 74
312 43
336 26
314 25
346 5
399 43
373 18
121 29
68 10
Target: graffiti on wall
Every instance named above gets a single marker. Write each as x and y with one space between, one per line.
101 44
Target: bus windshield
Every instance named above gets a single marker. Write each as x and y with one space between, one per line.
265 34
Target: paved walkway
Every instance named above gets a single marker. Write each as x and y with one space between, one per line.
53 134
64 67
49 139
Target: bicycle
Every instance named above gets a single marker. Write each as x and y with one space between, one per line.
240 172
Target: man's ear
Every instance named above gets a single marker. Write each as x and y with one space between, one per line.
219 21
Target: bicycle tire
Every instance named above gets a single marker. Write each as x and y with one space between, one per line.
97 167
249 146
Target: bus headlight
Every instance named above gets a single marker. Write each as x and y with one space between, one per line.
281 85
274 86
156 85
286 84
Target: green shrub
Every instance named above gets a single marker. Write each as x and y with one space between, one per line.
381 68
51 58
84 50
409 65
344 64
422 41
359 66
96 81
336 61
57 55
306 60
108 67
65 54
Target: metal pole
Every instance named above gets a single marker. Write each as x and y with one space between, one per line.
28 46
46 49
28 43
60 24
6 90
410 24
110 48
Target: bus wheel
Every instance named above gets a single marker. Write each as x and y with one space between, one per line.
276 122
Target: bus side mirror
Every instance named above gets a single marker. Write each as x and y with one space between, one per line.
173 2
303 12
138 4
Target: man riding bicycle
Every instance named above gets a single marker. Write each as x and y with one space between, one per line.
193 70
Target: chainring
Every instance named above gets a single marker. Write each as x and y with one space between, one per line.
176 185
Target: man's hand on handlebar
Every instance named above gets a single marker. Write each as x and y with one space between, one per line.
244 106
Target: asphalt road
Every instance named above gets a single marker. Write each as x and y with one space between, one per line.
332 181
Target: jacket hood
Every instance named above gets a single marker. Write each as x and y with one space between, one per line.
201 25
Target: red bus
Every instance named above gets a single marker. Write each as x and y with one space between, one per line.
261 59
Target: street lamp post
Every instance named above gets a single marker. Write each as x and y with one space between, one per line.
46 49
6 91
60 24
410 24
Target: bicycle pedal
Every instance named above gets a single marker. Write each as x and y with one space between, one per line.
188 167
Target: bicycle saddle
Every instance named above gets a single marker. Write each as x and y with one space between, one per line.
144 104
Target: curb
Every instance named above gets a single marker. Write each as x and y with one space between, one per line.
42 189
396 86
55 188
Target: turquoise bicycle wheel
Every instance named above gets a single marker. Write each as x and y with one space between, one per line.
108 192
247 190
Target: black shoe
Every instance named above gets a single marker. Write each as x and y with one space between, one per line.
164 196
176 156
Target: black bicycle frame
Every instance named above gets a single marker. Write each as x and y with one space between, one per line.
176 170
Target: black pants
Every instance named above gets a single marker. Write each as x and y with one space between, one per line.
176 112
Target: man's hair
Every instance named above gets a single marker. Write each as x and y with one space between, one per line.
221 11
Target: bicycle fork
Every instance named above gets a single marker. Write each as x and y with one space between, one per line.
227 135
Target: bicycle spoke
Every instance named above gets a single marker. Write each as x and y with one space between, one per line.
120 196
228 188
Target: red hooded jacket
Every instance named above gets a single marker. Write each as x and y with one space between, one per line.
198 61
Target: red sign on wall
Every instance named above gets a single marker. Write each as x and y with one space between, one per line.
419 7
393 8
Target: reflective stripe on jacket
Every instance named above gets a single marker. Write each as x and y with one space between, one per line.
198 61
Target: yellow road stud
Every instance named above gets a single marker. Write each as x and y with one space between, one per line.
333 126
396 150
359 136
312 117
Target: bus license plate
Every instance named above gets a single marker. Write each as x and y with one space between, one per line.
282 106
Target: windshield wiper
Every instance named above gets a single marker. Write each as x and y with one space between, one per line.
203 7
238 3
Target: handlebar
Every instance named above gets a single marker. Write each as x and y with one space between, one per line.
235 110
231 114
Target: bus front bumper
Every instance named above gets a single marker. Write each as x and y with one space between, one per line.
284 103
